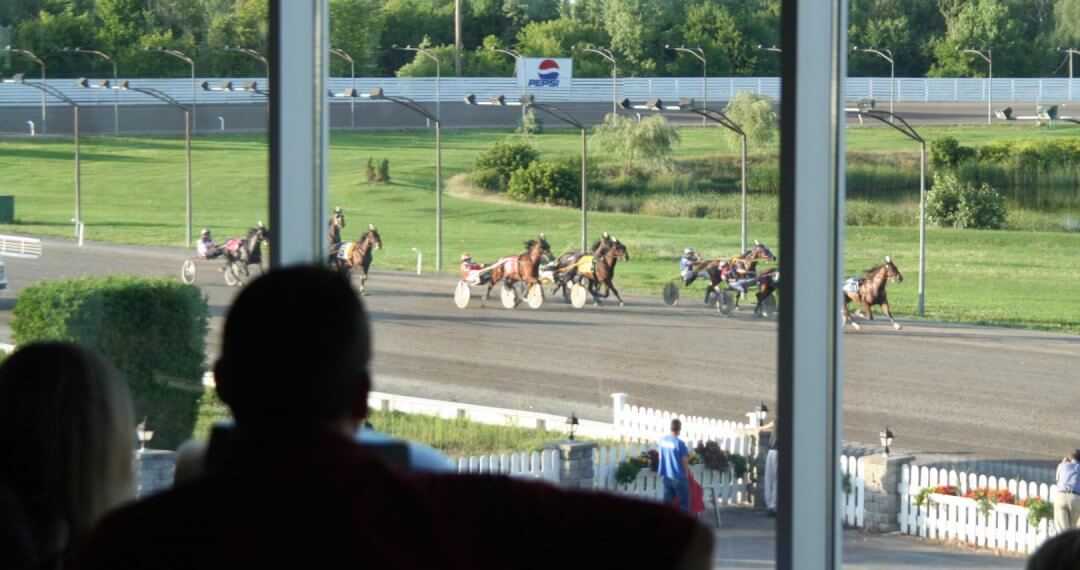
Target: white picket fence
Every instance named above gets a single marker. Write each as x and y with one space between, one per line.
948 517
542 465
721 488
853 505
642 424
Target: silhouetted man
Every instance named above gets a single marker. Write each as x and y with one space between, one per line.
289 487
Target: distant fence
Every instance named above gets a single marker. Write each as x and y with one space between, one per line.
452 89
721 488
541 465
948 517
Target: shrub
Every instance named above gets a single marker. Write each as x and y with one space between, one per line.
952 203
488 179
152 329
383 174
505 158
369 171
647 144
946 152
549 183
529 124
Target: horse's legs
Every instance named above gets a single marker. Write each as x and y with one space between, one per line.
888 313
869 310
612 289
363 282
847 314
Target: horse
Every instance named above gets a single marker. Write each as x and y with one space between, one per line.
603 272
723 270
246 250
768 282
358 255
522 267
870 291
566 267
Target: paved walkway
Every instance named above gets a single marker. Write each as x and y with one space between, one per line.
748 540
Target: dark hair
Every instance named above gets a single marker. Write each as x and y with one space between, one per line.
676 425
295 350
1061 552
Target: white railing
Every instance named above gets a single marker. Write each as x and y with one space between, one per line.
638 423
853 505
541 465
721 488
949 517
907 89
18 246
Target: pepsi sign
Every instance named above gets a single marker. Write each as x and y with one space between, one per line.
548 73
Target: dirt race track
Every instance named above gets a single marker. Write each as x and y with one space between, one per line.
989 392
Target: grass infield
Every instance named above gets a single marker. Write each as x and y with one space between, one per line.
133 192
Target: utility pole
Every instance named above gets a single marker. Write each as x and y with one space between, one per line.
457 38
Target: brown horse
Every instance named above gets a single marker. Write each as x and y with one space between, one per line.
768 282
566 267
870 291
736 269
603 272
247 250
522 267
358 255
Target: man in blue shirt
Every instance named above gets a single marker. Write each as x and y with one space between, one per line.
1067 501
674 468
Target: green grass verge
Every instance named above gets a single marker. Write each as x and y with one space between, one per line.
454 438
133 193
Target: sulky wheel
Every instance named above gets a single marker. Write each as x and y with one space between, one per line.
579 295
535 297
187 271
725 303
462 295
508 297
671 294
232 274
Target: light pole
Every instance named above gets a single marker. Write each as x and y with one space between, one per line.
773 49
890 119
989 57
887 55
194 103
529 101
46 89
438 78
520 61
352 74
718 117
377 94
1070 52
606 54
41 63
116 96
125 86
700 54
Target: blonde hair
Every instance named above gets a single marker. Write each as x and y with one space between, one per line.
66 440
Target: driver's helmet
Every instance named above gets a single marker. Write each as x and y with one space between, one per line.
205 232
337 210
465 257
688 251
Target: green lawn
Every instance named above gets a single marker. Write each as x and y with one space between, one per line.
133 192
454 438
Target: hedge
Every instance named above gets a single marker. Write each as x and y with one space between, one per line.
152 329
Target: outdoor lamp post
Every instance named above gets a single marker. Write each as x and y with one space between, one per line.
254 55
116 96
572 423
762 412
228 87
352 74
143 433
519 60
1070 52
194 103
606 54
887 56
700 54
905 128
377 94
527 100
718 117
150 91
886 440
50 90
41 63
773 49
989 57
438 81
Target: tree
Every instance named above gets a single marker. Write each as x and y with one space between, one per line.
49 31
648 144
755 115
638 30
556 38
1067 23
982 24
356 27
412 22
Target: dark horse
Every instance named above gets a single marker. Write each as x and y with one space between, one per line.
522 267
768 282
247 250
736 269
870 291
603 272
358 254
566 268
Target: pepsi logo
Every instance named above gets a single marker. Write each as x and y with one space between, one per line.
549 69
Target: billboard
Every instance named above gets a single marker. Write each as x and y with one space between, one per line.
548 73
